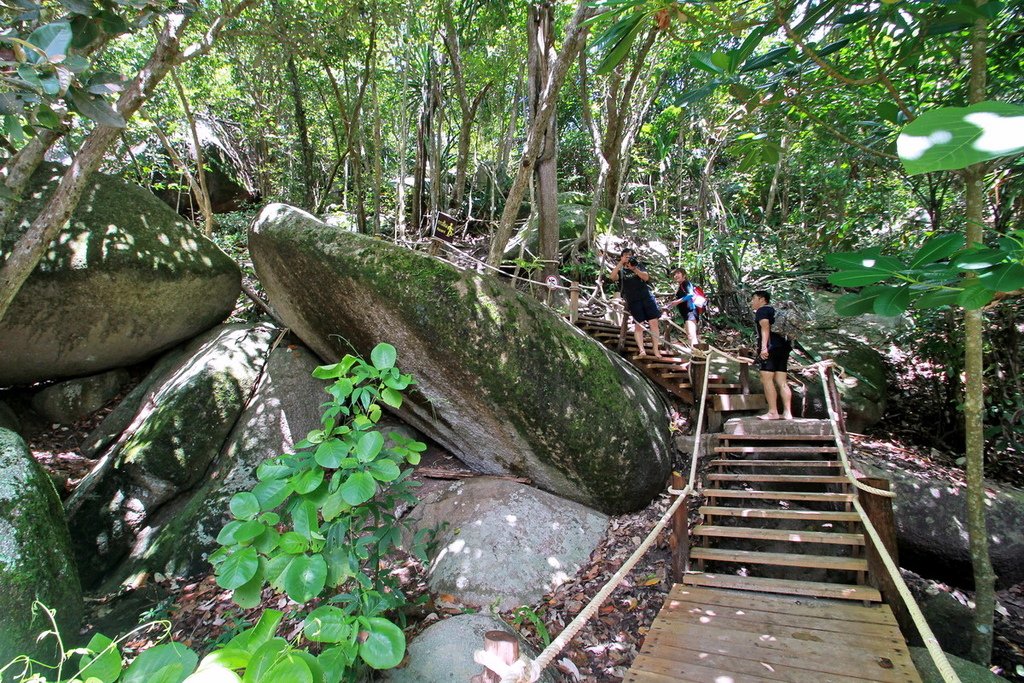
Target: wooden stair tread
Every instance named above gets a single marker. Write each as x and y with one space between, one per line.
776 449
857 564
781 478
817 589
790 535
775 463
781 495
772 513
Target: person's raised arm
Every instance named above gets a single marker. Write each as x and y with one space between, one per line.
766 331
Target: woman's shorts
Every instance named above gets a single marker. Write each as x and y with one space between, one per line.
644 309
778 358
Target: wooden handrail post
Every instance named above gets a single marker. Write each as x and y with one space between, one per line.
505 646
745 378
880 514
679 541
574 302
837 402
435 246
622 332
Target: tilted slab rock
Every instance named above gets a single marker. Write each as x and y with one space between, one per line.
124 280
179 430
504 543
503 383
35 556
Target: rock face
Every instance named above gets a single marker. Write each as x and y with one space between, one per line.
444 652
864 387
967 672
178 432
124 280
35 554
505 543
931 526
503 383
283 409
70 401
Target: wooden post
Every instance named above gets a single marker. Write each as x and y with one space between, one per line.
622 332
745 378
837 401
879 511
679 541
574 302
435 246
505 646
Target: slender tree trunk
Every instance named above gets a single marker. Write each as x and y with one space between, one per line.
574 38
302 127
505 150
57 211
974 405
201 191
540 51
378 160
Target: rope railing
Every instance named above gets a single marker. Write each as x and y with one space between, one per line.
525 670
931 642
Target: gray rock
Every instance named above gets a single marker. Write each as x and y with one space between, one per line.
444 651
176 435
8 418
968 672
931 525
126 279
504 543
504 384
70 401
949 620
283 409
35 555
862 386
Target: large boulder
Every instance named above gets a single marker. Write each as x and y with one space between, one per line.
180 428
444 651
36 562
284 408
124 280
931 525
966 671
862 383
503 383
504 543
69 401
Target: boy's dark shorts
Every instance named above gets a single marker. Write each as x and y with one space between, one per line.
778 358
644 309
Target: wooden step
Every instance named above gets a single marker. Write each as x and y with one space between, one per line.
774 463
773 513
817 589
792 536
776 437
815 450
781 495
855 564
780 478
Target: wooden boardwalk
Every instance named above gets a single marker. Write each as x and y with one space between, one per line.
715 635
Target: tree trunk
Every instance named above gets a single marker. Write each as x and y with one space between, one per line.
302 126
378 160
574 38
540 51
200 189
974 405
57 211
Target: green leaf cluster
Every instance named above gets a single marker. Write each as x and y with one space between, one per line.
941 272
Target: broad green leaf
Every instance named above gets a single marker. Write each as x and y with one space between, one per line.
857 303
339 563
333 506
384 470
95 108
244 505
721 60
330 453
105 664
1006 277
979 258
892 301
938 297
306 519
272 492
359 488
248 531
214 673
293 543
952 138
248 594
268 541
83 7
308 481
383 356
384 646
702 60
625 35
858 278
369 446
227 657
265 656
305 578
889 111
974 295
335 661
327 624
167 663
768 59
53 39
270 470
238 568
391 397
291 668
937 248
331 371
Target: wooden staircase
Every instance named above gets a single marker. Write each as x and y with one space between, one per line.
778 517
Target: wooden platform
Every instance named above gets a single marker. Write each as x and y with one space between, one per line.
715 635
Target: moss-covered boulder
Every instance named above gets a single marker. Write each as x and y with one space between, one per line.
35 555
169 445
71 400
504 383
285 406
967 672
124 280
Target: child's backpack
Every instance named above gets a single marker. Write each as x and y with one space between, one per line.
700 301
790 321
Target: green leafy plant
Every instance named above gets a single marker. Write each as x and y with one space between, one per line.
524 613
321 519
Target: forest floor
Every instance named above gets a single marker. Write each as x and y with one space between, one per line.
202 615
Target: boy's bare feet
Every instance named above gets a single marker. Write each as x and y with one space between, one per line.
769 416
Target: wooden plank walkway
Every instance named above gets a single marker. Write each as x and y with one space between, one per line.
715 635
